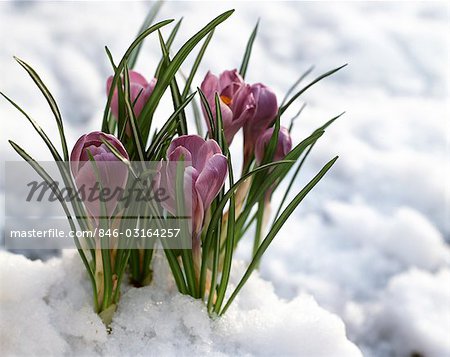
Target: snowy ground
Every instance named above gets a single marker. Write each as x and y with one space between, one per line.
370 242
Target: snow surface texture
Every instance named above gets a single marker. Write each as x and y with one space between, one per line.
50 307
371 241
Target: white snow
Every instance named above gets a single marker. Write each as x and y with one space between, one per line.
370 244
48 313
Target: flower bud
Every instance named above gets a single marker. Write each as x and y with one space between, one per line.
140 91
265 113
205 170
112 173
284 144
237 103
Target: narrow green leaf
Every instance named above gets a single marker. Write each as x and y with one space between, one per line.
276 228
209 115
229 246
198 59
147 22
145 118
299 93
296 83
50 181
169 42
248 51
137 139
286 192
165 130
136 42
175 91
51 102
291 125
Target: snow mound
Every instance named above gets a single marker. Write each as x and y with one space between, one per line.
45 310
414 315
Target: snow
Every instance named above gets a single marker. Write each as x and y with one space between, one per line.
51 307
370 243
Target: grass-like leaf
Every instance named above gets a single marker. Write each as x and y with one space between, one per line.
275 229
209 114
300 92
248 51
169 42
166 131
50 181
296 83
147 22
51 102
300 165
198 59
229 245
137 139
145 118
129 51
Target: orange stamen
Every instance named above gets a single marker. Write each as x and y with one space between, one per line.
225 99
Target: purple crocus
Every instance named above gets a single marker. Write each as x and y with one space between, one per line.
237 102
265 113
284 144
112 172
205 172
140 91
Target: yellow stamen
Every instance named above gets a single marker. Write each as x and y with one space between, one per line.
225 99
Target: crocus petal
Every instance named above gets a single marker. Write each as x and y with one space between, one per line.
208 149
210 84
212 178
76 154
265 113
191 142
230 80
284 144
137 78
113 173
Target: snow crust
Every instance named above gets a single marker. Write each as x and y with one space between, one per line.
45 310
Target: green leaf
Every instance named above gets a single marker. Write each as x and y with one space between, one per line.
291 125
299 93
286 192
51 102
296 83
229 246
147 22
111 59
186 254
50 181
105 248
221 205
198 59
145 118
38 129
169 42
175 91
219 134
248 51
166 129
276 228
125 58
209 115
137 139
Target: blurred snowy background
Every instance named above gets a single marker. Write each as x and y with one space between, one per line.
370 243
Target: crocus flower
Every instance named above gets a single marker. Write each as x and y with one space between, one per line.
112 172
237 102
140 91
284 144
205 172
265 113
